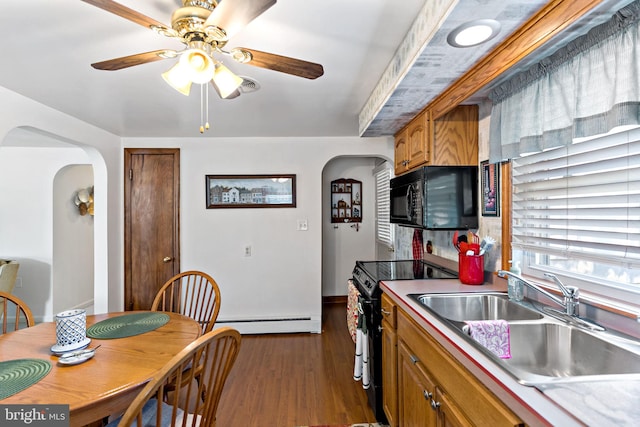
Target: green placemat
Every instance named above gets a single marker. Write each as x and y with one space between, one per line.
19 374
127 325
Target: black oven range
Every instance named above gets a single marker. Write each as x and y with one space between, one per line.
367 276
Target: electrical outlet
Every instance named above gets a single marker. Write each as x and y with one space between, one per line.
18 282
303 225
247 250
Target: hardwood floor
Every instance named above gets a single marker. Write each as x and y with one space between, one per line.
287 380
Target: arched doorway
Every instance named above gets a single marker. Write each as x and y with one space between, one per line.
40 172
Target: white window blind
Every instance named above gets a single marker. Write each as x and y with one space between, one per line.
577 208
384 232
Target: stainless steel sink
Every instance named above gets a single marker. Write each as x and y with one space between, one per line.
555 350
544 349
481 306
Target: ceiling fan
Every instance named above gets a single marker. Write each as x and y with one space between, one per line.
205 27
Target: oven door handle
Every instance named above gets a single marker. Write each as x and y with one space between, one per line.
363 301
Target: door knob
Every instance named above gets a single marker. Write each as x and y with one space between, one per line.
167 259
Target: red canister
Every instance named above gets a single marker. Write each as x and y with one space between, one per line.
471 269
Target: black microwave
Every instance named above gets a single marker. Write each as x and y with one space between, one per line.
436 198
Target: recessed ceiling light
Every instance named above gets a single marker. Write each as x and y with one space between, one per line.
473 33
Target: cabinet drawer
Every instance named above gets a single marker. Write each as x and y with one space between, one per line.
472 398
388 309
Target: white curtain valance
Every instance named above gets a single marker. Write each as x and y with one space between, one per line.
586 88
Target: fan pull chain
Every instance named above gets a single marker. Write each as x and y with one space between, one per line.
204 107
201 109
206 125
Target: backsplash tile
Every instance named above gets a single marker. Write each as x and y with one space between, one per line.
442 244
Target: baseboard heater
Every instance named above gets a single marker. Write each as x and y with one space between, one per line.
274 325
288 319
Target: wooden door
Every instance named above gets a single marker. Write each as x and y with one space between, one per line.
151 221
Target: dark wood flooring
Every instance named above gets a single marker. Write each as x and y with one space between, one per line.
287 380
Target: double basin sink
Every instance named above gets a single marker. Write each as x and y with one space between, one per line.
544 349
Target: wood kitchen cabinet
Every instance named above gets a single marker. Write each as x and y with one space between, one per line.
432 387
389 360
413 144
416 390
450 140
456 137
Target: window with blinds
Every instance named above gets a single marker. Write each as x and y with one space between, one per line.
384 232
576 211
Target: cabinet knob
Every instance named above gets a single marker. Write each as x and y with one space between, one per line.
427 395
385 312
414 359
167 259
435 405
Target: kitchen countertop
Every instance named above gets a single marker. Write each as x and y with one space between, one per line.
593 403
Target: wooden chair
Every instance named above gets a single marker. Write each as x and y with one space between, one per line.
192 293
8 274
11 305
196 404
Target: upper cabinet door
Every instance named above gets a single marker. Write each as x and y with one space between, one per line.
401 160
419 135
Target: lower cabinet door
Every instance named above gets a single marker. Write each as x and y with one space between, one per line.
415 392
389 374
449 414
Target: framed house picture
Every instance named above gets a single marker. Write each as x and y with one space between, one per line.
250 191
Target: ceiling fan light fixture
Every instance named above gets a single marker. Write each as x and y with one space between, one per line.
178 79
225 81
473 33
198 65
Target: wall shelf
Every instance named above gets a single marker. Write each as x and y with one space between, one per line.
346 200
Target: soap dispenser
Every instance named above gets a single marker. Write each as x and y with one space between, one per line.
514 287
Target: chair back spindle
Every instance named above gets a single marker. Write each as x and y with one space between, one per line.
14 313
192 293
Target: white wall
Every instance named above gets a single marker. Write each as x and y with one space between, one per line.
73 241
28 208
342 245
283 277
28 232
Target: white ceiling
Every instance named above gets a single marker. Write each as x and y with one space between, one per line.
50 44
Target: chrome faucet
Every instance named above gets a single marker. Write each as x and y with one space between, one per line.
571 294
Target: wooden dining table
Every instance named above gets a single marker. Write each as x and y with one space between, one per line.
105 384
